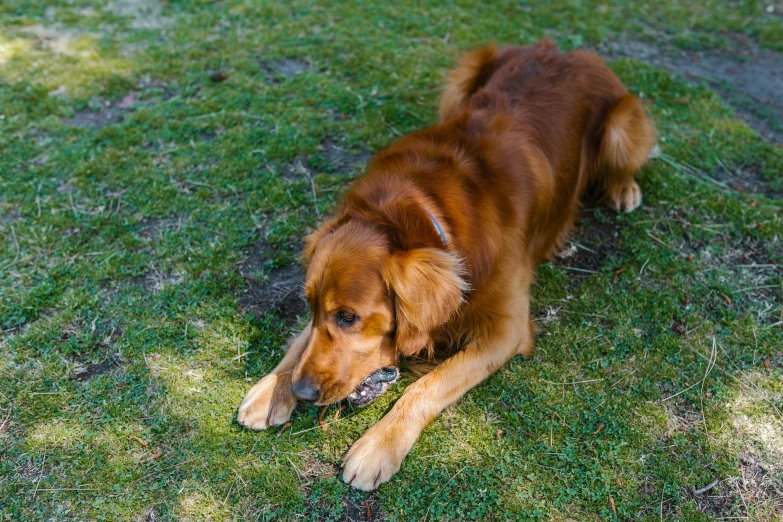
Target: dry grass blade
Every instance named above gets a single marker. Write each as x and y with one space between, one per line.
139 440
5 424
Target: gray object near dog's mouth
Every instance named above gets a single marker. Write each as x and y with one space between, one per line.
373 386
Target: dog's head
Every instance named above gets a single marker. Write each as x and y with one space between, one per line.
370 301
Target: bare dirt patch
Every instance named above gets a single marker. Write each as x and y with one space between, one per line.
152 86
156 280
682 417
339 159
91 353
281 290
719 501
591 243
759 480
748 78
290 67
748 179
101 114
331 158
9 214
750 251
284 69
756 485
153 229
149 515
315 469
85 373
757 266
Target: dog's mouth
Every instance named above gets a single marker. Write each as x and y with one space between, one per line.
373 386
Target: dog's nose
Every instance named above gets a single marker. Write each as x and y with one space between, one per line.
305 390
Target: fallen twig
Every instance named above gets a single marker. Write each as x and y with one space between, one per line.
338 412
706 488
66 489
139 440
572 382
584 270
324 425
285 427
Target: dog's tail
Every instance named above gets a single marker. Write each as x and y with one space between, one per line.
626 143
474 70
628 137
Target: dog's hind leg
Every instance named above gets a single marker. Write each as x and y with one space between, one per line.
626 142
270 402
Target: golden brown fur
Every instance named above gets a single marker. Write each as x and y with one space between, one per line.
524 132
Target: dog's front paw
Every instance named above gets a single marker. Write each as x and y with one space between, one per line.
268 403
625 198
375 457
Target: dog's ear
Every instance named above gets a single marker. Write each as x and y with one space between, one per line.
311 241
428 288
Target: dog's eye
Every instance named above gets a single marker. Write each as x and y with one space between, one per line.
346 317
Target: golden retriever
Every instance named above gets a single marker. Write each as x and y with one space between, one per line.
433 252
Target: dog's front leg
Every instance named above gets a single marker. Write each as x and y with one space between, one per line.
270 402
377 455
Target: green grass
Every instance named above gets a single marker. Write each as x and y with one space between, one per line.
122 242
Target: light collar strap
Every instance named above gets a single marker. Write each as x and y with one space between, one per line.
438 227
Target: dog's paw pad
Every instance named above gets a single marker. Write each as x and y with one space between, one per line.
625 198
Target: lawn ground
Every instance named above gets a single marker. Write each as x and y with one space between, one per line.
160 161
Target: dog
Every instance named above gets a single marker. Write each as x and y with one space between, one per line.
433 251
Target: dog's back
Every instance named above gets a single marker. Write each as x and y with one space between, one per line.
571 108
